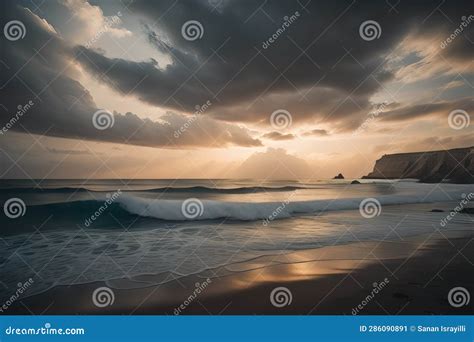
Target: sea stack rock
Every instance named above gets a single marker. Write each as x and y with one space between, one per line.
339 176
355 182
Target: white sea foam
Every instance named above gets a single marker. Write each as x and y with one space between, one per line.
248 211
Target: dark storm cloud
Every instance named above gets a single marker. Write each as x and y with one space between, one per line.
40 69
316 132
67 151
318 68
278 136
461 47
428 109
320 51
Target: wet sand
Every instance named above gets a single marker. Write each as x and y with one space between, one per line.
412 276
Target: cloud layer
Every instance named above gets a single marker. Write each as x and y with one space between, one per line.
41 68
319 68
252 59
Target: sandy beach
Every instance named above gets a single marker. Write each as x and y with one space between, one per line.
412 276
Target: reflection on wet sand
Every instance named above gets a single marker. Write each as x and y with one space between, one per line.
327 280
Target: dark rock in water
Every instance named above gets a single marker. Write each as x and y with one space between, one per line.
339 176
455 165
437 211
467 211
355 182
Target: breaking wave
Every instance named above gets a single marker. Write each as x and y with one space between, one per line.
247 211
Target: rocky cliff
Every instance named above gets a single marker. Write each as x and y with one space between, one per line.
456 165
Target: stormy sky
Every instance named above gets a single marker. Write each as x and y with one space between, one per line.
223 88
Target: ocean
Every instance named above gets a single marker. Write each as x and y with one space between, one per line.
139 233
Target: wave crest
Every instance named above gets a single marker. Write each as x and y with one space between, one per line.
247 211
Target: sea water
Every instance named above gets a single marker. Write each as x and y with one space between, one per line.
78 231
